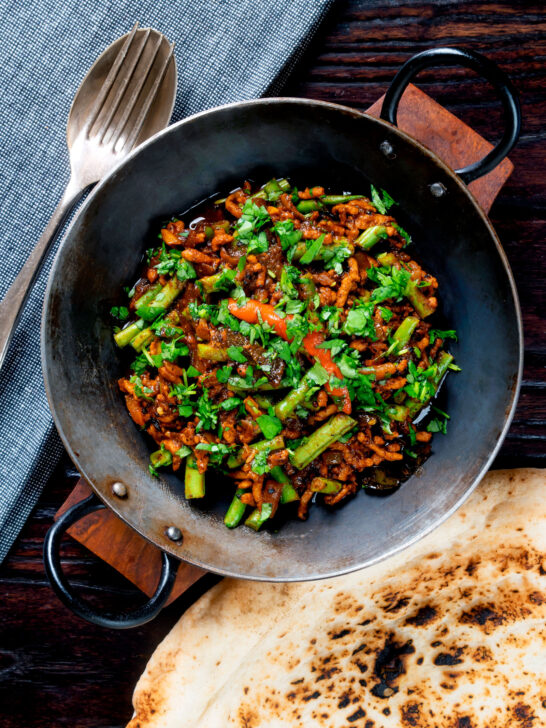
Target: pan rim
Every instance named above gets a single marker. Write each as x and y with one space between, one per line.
515 390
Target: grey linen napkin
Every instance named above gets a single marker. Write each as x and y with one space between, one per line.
226 50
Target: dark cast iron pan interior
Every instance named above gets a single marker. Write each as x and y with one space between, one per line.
315 143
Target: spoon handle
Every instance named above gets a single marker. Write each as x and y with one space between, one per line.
14 300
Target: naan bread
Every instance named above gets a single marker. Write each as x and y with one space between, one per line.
448 634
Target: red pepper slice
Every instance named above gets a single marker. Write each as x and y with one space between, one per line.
249 312
311 343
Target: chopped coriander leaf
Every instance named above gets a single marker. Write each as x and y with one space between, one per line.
349 364
185 270
334 256
438 334
386 314
140 364
258 244
317 374
224 373
236 353
207 412
438 424
260 465
383 201
248 227
191 371
402 233
347 436
419 385
391 281
230 403
288 236
331 315
170 351
225 280
313 249
239 295
139 389
120 312
334 345
217 451
292 307
289 276
360 321
270 426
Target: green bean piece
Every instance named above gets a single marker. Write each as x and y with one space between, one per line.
161 458
309 287
301 249
237 459
126 335
211 352
161 302
398 413
404 332
142 339
386 481
288 494
307 206
370 237
238 385
339 199
149 295
442 365
258 517
236 510
252 408
388 259
325 486
262 400
272 190
286 406
321 439
194 481
418 299
212 283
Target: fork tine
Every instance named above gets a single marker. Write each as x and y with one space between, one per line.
110 78
125 74
137 126
131 102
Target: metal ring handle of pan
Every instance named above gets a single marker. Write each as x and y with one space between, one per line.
61 586
486 68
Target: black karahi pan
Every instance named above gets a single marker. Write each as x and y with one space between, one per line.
212 152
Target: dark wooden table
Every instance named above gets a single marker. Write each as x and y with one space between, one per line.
56 670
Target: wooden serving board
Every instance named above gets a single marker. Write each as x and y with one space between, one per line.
457 145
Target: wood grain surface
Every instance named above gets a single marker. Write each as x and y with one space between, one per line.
56 670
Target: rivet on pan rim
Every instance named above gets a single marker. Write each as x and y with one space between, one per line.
437 189
174 533
387 149
119 489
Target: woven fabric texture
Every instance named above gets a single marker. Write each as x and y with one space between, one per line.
226 50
